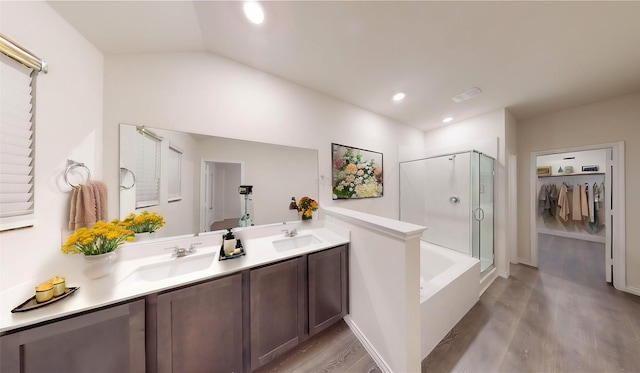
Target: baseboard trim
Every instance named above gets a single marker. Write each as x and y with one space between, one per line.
633 290
367 346
577 236
526 262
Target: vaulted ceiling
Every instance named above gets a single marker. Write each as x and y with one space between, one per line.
530 57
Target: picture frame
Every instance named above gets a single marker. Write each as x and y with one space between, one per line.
356 173
544 171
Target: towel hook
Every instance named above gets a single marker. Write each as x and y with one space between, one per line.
70 166
126 171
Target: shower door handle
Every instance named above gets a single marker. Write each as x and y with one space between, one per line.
478 214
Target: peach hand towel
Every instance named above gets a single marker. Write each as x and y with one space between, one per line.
88 205
575 210
100 193
584 202
83 211
563 203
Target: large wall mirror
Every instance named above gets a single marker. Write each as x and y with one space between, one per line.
193 179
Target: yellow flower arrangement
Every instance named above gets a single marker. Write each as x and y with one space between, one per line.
101 239
145 222
307 206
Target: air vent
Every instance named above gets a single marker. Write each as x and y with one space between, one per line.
470 93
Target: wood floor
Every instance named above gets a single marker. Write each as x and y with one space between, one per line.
333 350
560 318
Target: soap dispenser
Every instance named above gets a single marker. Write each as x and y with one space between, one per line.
293 205
229 242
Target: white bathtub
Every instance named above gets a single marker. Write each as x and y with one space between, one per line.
449 287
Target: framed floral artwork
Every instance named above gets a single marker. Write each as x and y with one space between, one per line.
356 173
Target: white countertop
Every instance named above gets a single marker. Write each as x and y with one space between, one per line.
121 285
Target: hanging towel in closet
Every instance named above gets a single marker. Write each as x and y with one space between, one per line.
563 203
548 199
600 208
592 215
575 206
543 199
584 203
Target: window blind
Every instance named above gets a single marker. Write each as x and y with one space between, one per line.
147 171
175 173
16 145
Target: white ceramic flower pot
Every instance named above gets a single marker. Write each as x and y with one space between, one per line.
97 266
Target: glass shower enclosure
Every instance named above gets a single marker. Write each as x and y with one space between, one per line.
453 196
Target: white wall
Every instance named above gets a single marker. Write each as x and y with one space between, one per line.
68 126
232 173
384 288
511 137
204 93
601 122
485 133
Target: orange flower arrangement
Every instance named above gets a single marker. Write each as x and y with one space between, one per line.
307 206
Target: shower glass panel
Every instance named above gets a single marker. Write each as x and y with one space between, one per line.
435 193
482 222
453 197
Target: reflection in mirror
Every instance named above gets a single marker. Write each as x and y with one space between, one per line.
197 189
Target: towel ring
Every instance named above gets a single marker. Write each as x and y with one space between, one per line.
127 171
70 166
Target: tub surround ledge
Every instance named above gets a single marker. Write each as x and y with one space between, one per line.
395 228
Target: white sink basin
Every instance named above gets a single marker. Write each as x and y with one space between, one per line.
174 267
296 242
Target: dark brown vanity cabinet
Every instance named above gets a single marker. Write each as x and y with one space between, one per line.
106 340
295 299
278 309
230 324
200 329
327 275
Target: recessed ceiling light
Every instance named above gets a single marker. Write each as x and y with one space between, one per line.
447 119
254 12
399 96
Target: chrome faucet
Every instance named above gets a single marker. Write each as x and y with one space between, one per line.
179 252
290 233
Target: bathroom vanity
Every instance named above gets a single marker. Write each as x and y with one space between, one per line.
231 317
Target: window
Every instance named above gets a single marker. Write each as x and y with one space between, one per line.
18 69
175 174
147 169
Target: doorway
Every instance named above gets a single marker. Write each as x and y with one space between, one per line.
591 174
221 207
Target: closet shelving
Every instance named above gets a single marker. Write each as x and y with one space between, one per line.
576 174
